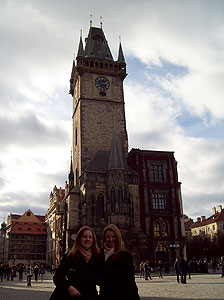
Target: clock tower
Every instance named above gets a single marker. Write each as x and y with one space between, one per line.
105 187
98 100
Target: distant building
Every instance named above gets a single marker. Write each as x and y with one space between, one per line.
25 238
187 226
210 226
53 221
3 254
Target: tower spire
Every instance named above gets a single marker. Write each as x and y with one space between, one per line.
120 52
80 49
71 175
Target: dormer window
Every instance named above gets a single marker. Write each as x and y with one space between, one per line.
98 38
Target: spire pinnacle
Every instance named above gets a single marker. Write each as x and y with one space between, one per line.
120 52
101 23
80 50
91 21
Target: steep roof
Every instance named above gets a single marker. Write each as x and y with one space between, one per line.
218 216
96 45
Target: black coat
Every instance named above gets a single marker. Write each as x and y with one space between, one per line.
78 273
117 278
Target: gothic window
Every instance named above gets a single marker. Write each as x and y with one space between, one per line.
120 199
156 229
161 248
112 199
159 201
164 229
157 173
100 206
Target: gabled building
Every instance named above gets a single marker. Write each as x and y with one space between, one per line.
137 190
211 225
25 238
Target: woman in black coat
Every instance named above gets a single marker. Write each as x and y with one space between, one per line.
76 275
117 269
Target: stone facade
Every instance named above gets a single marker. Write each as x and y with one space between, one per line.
106 184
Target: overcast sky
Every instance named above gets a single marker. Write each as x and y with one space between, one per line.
174 92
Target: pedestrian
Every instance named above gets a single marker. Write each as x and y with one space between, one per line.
20 270
29 274
147 270
177 269
36 272
222 265
160 268
76 276
1 272
117 279
141 269
183 270
42 272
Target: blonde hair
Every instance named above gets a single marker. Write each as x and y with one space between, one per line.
77 244
119 245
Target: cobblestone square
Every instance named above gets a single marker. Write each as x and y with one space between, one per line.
200 286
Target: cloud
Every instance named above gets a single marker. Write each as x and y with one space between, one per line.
173 94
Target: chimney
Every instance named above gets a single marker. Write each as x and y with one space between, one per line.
198 219
219 208
213 210
202 218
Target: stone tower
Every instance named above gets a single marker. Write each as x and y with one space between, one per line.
105 187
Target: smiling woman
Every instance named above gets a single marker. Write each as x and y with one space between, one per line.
76 274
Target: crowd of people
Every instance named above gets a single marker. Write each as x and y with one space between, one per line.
26 272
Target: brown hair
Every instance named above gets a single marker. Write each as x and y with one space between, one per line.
119 245
77 245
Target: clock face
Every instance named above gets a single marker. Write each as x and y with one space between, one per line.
102 83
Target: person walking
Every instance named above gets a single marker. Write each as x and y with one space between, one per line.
1 272
147 270
36 272
117 280
20 270
141 270
76 276
222 265
29 273
160 268
41 273
183 270
177 269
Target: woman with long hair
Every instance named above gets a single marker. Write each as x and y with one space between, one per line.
117 270
76 274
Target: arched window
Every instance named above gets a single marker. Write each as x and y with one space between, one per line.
164 229
112 199
120 199
156 229
100 206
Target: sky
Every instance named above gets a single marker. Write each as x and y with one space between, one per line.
174 91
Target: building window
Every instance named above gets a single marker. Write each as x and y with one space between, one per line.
120 199
213 227
164 229
157 173
76 136
159 201
100 206
112 199
156 229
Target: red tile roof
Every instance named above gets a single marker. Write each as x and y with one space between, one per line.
218 216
